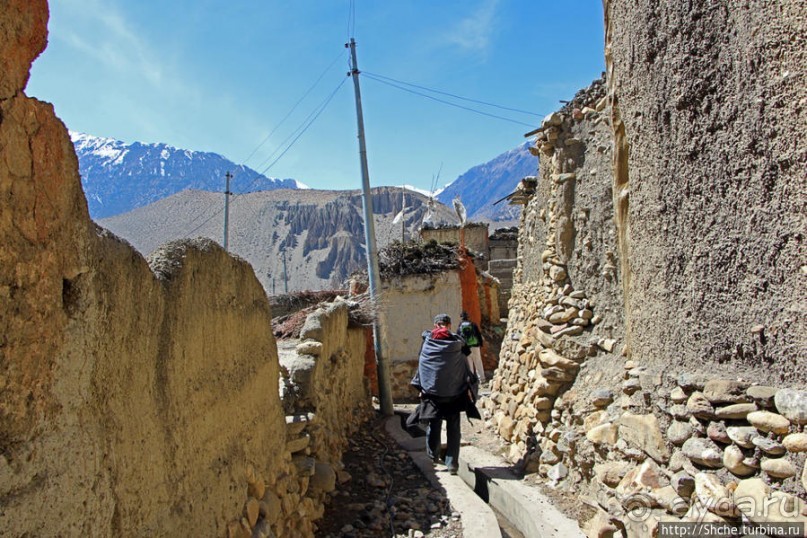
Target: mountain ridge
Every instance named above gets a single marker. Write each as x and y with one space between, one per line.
118 177
482 185
319 233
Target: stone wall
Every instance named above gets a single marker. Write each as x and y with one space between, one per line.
138 397
565 310
709 112
651 365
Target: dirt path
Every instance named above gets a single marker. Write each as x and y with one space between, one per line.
385 494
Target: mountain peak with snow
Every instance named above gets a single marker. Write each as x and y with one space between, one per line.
118 177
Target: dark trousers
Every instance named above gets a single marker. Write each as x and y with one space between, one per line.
453 435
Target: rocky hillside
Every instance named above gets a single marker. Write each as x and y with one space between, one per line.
118 177
319 233
481 186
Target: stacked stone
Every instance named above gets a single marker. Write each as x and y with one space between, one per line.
551 323
546 354
289 504
736 448
549 137
326 400
634 454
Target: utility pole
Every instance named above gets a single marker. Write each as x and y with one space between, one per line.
227 194
285 274
383 371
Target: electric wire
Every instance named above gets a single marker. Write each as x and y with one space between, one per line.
351 19
300 131
475 111
293 108
288 114
390 79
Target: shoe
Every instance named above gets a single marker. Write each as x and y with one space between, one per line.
453 469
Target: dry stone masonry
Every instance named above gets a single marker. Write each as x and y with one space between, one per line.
650 370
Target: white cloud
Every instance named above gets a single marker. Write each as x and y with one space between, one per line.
101 32
474 33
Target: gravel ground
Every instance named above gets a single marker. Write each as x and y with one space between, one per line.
384 494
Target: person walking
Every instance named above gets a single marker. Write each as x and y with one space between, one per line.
469 331
445 381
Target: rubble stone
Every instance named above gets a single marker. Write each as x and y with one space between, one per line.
769 422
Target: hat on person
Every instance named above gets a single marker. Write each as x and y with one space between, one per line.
464 315
441 318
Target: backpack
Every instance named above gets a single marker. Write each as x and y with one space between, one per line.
469 334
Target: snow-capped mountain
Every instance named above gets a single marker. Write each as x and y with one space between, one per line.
481 186
118 177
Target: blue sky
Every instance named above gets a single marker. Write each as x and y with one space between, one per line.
220 76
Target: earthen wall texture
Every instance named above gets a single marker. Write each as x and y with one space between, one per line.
709 108
138 398
653 365
410 304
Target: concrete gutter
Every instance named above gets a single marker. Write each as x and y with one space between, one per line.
524 506
484 481
478 520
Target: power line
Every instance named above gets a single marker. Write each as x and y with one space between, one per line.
293 108
302 129
453 95
309 121
254 151
351 19
475 111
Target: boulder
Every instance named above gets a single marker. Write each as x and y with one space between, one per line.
594 419
735 411
678 396
644 478
683 484
733 461
611 473
679 412
557 472
324 478
769 422
769 446
699 406
795 442
703 452
804 476
298 444
717 433
763 395
779 468
602 397
742 435
643 432
698 513
550 358
679 432
604 434
669 499
792 404
760 504
712 494
270 506
725 391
